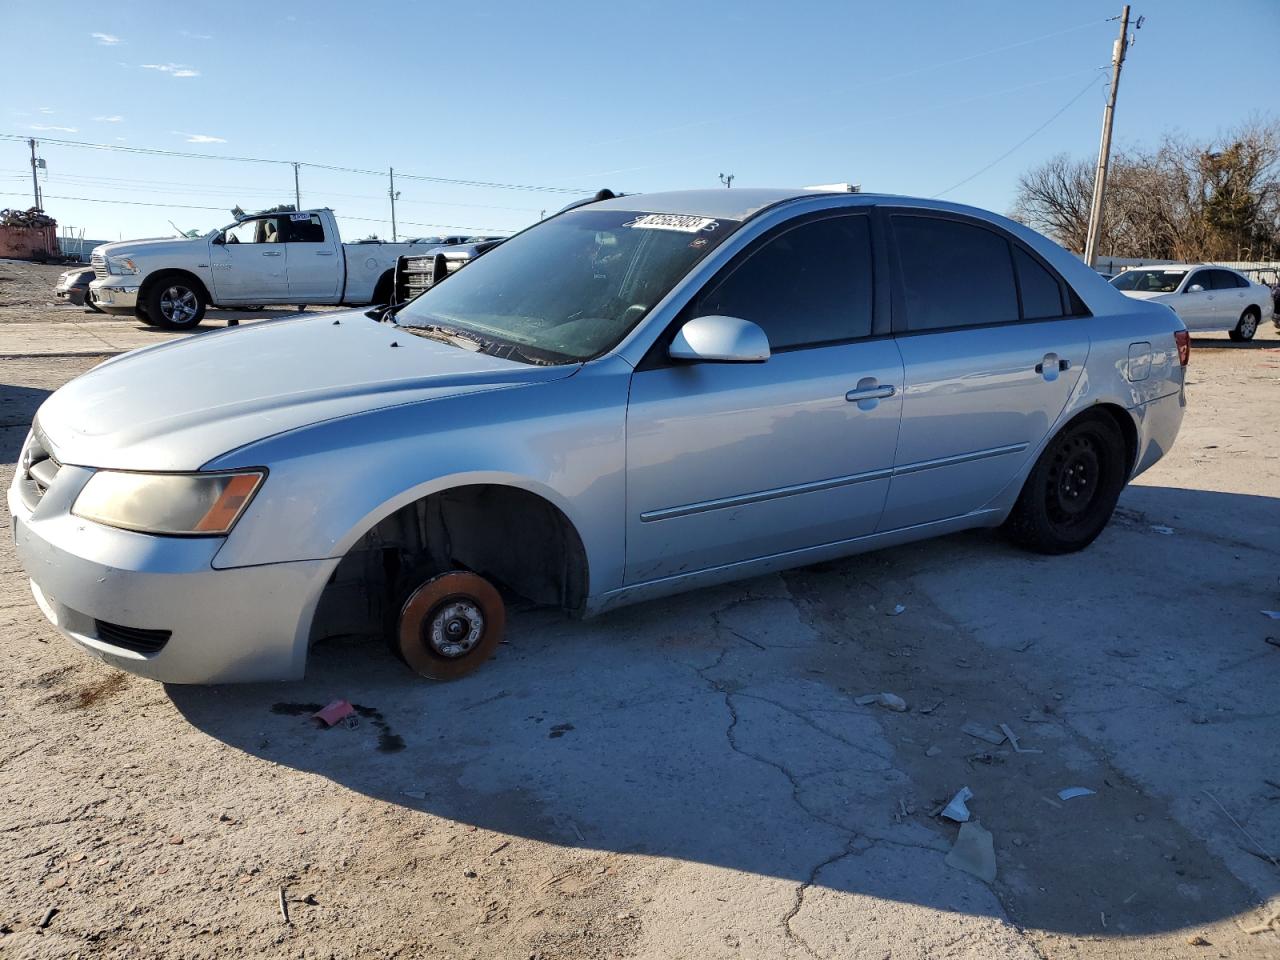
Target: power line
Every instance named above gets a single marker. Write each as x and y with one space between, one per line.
188 206
212 189
1093 82
155 151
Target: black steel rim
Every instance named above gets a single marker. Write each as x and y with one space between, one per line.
1075 480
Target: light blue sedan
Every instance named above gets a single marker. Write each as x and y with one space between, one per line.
638 396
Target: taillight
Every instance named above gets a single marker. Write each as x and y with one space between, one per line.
1183 340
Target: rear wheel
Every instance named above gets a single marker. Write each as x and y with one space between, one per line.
450 625
175 303
1247 326
1073 488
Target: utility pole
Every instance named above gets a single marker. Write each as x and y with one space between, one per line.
297 194
35 182
1104 151
393 194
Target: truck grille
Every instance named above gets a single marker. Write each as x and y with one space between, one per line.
132 638
414 275
99 264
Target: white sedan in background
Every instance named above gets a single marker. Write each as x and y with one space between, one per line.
1205 297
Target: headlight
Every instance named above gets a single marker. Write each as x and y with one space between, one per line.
121 266
201 504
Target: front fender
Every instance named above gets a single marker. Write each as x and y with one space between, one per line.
329 483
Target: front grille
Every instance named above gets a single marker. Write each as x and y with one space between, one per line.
132 638
414 275
99 264
37 471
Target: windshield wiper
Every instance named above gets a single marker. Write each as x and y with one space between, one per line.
456 338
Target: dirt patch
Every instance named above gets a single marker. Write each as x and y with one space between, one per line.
87 695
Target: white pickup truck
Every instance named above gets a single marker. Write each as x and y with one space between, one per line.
264 258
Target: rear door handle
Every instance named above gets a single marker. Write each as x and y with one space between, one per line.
271 253
324 253
1062 365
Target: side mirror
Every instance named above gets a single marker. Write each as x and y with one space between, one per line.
720 340
1195 288
220 239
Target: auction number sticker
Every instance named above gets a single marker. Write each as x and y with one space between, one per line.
299 216
679 222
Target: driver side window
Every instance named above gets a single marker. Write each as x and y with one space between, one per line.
806 286
262 230
1199 278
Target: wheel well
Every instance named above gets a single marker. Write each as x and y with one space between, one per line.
1253 309
145 290
383 288
518 540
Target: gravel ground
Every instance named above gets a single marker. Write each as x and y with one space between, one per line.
693 777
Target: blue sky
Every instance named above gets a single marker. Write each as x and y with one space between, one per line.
905 97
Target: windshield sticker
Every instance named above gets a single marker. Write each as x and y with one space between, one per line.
299 216
673 221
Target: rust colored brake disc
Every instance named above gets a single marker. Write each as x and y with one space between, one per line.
450 625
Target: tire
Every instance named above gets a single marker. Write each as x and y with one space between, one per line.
1072 490
449 625
175 303
1246 327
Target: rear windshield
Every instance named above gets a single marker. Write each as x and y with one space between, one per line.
568 289
1149 281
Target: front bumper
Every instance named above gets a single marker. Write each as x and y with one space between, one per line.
111 295
75 295
226 625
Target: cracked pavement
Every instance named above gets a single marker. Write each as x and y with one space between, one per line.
693 777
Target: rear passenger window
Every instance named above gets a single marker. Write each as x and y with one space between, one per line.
1226 280
302 228
954 274
807 286
1041 295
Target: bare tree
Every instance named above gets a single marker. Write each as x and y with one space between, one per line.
1055 197
1186 200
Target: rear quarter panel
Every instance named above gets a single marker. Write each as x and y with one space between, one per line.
366 264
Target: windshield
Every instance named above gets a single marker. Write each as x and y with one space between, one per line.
1149 281
568 289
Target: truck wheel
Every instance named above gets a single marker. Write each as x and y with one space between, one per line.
450 625
175 304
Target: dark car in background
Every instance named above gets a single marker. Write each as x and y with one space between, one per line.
73 286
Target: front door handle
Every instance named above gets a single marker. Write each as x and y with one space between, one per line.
271 253
869 392
324 253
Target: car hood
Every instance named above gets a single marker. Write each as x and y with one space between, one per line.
1145 294
178 405
157 246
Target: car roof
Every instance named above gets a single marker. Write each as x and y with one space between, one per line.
736 204
1179 266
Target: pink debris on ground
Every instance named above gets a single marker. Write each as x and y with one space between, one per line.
334 713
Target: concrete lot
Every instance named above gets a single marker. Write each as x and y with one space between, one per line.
693 777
